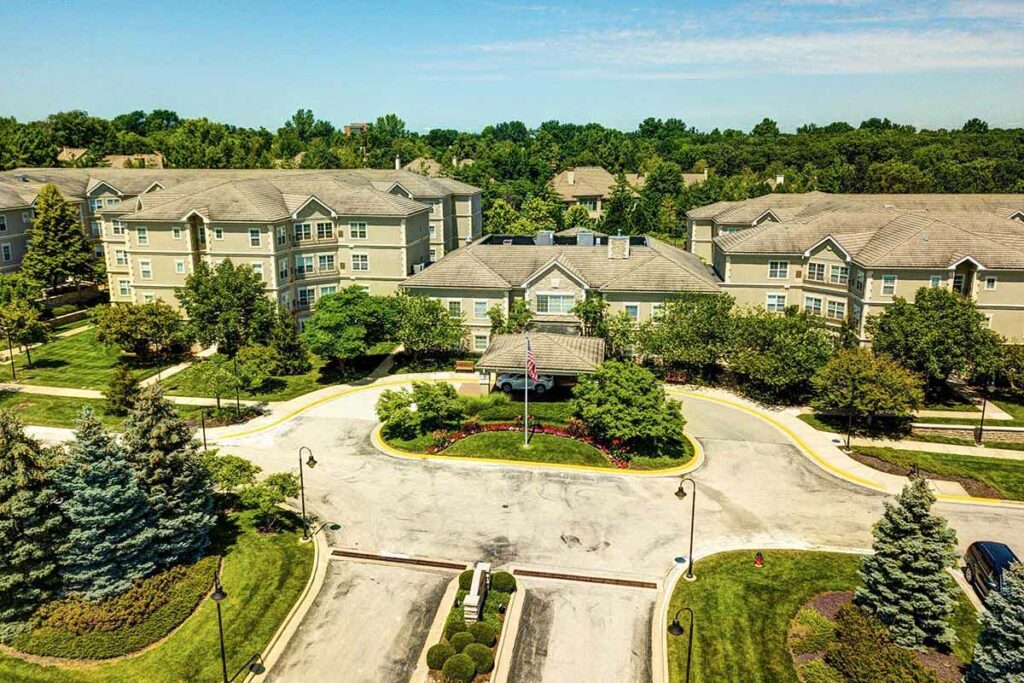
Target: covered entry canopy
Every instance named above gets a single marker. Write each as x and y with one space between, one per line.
555 354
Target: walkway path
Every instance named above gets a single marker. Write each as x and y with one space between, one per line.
96 394
953 449
175 369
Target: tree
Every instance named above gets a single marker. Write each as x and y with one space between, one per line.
692 331
30 526
905 584
592 311
999 654
345 324
140 328
16 286
253 366
939 335
217 374
267 495
501 217
426 326
517 321
226 306
617 211
20 320
897 177
122 391
291 357
57 251
437 405
537 214
620 334
228 473
109 542
778 354
166 460
577 216
864 387
626 402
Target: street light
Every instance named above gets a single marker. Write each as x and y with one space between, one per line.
219 595
676 629
310 463
989 388
202 418
681 495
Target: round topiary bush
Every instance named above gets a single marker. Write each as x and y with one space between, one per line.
454 626
438 654
482 633
504 582
466 580
459 669
461 639
481 656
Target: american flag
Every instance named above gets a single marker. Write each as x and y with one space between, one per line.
531 363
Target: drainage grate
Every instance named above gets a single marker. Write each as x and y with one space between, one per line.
439 564
587 579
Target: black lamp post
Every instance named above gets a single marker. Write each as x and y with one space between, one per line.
681 495
676 629
219 595
310 463
989 388
202 419
238 402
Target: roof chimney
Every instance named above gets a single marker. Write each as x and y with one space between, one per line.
570 176
618 247
398 163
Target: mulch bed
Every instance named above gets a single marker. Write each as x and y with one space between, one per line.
974 487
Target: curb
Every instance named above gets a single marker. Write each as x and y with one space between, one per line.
509 633
421 673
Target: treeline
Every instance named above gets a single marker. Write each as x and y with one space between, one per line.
513 162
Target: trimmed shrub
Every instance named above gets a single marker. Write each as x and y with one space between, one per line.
460 640
817 671
466 580
454 624
438 654
483 633
864 653
459 669
58 311
504 582
481 656
812 632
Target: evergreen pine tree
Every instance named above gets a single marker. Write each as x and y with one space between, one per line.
166 459
122 391
292 357
57 250
618 209
905 583
110 540
30 526
999 654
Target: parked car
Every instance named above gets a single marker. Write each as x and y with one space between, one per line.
509 383
984 564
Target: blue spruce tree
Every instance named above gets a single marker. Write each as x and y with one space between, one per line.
110 540
165 458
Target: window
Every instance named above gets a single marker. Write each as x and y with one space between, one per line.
218 233
324 231
479 342
479 310
257 267
146 269
147 297
26 217
838 275
555 303
95 203
990 282
455 308
179 266
934 281
97 251
357 230
325 261
95 227
812 304
958 283
858 281
360 262
633 311
118 226
837 310
113 201
888 285
6 248
302 231
120 258
778 270
776 303
280 235
3 223
305 296
433 254
175 232
988 320
656 309
590 203
254 237
142 235
433 231
282 269
816 271
328 289
283 299
303 264
123 288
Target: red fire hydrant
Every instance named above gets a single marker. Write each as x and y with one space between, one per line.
758 560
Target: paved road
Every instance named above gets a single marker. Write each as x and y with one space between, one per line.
756 490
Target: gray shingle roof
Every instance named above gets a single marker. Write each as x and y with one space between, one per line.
553 353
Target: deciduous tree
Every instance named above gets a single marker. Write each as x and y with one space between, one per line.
292 358
427 326
20 320
226 305
141 328
692 331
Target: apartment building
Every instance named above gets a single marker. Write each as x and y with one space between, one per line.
592 185
635 274
846 257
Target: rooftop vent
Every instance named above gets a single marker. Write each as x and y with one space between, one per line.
544 238
585 238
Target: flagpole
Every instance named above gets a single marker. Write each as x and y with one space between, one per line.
526 395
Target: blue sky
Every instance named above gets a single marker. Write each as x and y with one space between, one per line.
933 63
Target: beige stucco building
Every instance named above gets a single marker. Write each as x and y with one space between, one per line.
848 256
590 186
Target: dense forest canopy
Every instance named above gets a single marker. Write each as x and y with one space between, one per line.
513 162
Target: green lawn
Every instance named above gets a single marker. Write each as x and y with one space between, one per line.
509 446
62 411
78 361
1011 406
743 614
283 388
263 576
404 363
1006 476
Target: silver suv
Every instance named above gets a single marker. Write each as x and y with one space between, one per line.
509 383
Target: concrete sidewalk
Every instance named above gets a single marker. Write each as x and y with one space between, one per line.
175 369
70 392
953 449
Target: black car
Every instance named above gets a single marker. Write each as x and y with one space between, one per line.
984 564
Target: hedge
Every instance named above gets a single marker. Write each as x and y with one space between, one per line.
459 669
483 633
817 671
812 632
438 654
481 656
460 640
503 582
864 653
466 580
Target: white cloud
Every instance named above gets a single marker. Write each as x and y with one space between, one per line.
987 9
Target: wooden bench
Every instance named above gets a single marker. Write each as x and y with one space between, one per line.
465 366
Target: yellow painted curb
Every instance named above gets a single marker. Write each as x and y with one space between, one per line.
821 462
696 461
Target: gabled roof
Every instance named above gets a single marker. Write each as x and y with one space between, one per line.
553 353
561 263
823 240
